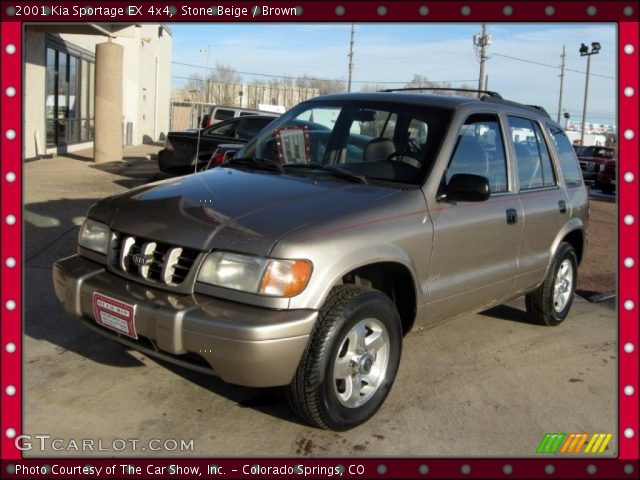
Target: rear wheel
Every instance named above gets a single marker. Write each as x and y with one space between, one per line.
550 303
351 360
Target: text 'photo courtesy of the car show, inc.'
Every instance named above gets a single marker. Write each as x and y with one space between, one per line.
319 239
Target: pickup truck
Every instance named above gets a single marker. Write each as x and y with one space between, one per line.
188 150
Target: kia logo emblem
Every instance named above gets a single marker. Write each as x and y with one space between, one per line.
141 260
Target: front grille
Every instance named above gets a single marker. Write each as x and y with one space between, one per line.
155 262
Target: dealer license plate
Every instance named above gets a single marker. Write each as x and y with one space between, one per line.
114 314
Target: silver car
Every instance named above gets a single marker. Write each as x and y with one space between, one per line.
304 259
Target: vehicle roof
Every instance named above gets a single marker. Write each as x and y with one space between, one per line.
442 101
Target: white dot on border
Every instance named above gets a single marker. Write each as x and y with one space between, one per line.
591 10
592 469
628 49
10 49
629 390
628 134
629 91
10 390
507 469
10 177
628 347
628 262
10 432
628 219
549 10
465 10
507 11
10 347
340 10
10 91
629 433
10 262
549 469
628 305
381 11
628 177
10 305
10 219
627 11
423 10
11 134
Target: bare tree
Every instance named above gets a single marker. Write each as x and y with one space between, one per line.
372 87
324 86
225 85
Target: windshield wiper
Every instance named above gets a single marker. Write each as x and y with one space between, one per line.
335 171
261 163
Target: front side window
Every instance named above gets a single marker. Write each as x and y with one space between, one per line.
479 150
532 156
397 143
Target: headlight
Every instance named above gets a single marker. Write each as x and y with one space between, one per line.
265 276
94 236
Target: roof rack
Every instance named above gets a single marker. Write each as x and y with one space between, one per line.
452 89
537 108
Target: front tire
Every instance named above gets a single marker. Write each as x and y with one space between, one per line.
550 303
351 361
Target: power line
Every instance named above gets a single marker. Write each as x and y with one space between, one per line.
550 66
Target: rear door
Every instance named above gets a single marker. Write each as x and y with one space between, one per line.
475 249
545 205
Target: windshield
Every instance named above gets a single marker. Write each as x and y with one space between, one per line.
387 142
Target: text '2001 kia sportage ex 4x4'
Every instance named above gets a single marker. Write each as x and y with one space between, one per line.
303 260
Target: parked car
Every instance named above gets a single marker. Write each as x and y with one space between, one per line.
606 176
187 150
591 157
220 113
305 259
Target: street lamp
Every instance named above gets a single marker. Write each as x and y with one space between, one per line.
584 52
206 75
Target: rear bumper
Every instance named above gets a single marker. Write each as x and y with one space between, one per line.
242 344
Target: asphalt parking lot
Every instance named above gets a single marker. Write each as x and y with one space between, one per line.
485 384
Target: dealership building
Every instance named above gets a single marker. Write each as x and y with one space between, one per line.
100 86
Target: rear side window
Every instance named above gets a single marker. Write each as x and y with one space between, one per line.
222 114
244 114
480 151
532 155
567 156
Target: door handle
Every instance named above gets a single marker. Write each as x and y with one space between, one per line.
512 216
562 205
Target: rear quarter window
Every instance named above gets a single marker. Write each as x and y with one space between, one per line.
567 157
222 114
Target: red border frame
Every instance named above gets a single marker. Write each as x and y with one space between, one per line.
360 11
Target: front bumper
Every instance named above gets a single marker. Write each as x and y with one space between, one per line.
242 344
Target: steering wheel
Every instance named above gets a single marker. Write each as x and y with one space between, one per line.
408 158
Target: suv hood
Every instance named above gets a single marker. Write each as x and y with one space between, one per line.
232 209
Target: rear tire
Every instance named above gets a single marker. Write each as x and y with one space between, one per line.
351 361
550 303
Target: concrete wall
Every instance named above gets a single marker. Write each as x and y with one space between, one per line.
146 87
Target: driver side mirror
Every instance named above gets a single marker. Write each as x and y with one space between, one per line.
466 187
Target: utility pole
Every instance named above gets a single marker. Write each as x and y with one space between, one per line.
561 83
206 75
482 42
350 59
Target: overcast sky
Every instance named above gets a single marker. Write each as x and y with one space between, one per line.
393 53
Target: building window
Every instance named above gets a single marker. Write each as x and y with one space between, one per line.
69 96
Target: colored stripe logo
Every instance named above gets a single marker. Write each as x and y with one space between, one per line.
574 443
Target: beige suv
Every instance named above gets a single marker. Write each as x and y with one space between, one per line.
304 259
